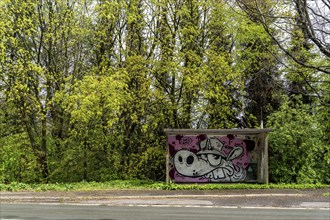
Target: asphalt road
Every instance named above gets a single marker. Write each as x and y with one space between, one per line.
169 205
75 212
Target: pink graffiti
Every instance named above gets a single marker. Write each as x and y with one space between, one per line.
192 143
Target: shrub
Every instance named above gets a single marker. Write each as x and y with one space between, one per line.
297 148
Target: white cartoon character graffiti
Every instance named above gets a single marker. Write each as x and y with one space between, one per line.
210 162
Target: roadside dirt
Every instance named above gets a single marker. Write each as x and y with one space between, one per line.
318 198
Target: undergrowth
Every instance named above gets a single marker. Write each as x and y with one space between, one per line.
147 185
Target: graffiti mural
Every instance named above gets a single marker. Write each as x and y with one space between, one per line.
199 158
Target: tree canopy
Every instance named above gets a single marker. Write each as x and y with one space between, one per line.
87 87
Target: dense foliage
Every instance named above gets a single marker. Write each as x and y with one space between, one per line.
146 185
298 143
87 87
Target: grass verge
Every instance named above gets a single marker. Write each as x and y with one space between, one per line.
147 185
326 194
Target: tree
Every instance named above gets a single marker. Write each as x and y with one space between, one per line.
312 17
259 59
40 57
222 77
298 151
87 87
21 77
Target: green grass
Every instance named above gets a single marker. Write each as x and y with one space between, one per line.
147 185
79 186
243 186
326 194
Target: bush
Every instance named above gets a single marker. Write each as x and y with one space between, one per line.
17 161
298 152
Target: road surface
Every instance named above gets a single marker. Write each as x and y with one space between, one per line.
164 204
75 212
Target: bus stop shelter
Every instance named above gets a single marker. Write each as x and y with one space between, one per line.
217 155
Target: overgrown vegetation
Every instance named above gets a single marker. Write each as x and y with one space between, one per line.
298 151
147 185
87 87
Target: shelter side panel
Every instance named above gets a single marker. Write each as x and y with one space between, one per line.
213 158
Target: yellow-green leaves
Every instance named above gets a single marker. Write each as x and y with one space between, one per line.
93 96
298 151
90 85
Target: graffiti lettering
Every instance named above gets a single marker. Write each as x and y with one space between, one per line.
186 141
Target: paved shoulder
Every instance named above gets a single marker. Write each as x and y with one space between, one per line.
305 199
